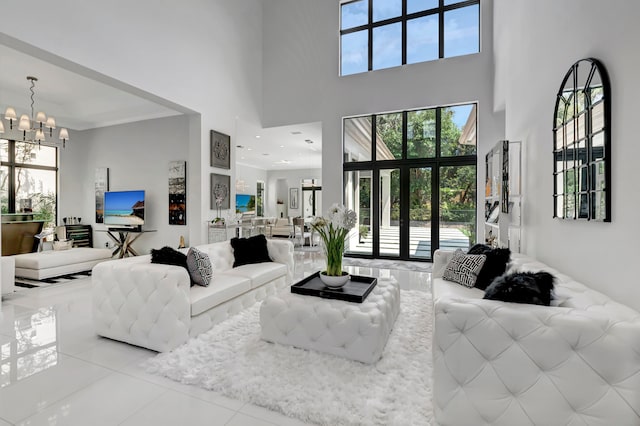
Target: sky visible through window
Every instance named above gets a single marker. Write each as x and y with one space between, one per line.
355 14
461 34
414 6
461 114
386 9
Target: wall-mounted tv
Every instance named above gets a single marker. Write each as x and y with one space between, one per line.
245 203
124 208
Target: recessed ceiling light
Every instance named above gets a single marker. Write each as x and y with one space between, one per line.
296 133
281 146
309 141
257 136
283 162
249 149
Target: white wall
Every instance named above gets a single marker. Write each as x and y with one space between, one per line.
250 176
205 55
301 82
137 155
293 179
537 43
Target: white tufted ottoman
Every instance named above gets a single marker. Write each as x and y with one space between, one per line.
357 331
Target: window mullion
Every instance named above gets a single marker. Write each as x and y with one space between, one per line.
404 33
370 35
11 187
438 127
441 30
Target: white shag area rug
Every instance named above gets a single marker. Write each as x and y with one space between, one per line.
314 387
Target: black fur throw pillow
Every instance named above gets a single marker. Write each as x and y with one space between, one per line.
522 287
169 256
494 266
250 250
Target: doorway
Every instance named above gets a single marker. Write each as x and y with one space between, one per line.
311 198
414 187
259 199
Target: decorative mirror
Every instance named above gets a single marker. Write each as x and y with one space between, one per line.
582 144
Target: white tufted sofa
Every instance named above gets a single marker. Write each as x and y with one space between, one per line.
153 306
514 364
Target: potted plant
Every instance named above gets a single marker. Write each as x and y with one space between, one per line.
363 231
333 230
218 221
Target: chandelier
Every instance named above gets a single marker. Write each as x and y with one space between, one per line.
35 128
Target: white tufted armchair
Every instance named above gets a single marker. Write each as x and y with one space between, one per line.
499 363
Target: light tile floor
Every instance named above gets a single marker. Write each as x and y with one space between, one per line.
54 370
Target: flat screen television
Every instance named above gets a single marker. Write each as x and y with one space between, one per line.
245 203
124 208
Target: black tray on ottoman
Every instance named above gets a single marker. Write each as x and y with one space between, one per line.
355 290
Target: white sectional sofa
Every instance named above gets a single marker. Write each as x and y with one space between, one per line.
7 278
53 263
515 364
153 305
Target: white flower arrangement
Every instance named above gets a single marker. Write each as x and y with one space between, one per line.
333 230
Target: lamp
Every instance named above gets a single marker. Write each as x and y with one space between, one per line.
33 127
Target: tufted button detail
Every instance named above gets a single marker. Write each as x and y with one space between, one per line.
149 305
503 363
355 331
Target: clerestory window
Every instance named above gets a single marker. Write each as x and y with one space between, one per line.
377 34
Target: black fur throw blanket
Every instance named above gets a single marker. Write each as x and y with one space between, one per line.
522 287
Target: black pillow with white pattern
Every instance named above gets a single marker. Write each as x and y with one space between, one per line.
199 266
464 268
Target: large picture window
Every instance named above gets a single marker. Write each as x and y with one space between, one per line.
410 176
377 34
28 180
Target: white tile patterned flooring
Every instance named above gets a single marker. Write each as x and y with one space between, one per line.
54 370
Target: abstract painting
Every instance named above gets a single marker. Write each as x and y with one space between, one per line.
177 192
101 186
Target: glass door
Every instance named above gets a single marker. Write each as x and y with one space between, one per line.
457 207
411 178
420 182
389 229
260 199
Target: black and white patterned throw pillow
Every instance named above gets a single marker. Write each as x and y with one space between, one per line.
464 268
199 266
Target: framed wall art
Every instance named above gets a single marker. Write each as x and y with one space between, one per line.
293 198
220 191
177 192
220 150
101 186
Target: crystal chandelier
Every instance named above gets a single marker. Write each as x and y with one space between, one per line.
35 128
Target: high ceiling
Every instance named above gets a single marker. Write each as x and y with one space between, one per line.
78 102
280 148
